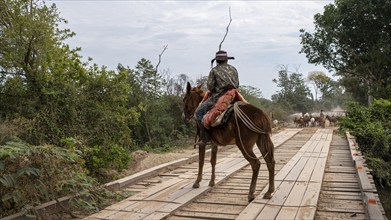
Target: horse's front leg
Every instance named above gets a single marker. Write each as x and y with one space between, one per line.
201 158
213 159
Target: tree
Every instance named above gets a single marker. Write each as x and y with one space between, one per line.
176 85
31 44
39 72
331 92
251 94
148 78
294 93
353 39
317 78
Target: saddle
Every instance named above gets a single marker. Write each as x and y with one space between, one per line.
220 112
223 117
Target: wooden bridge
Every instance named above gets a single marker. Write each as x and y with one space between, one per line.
319 175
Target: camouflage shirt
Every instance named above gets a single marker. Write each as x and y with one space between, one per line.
221 78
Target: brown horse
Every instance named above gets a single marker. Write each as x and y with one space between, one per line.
236 131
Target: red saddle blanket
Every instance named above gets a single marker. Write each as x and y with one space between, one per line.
220 106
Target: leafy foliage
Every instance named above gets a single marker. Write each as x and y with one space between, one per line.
79 122
294 94
372 128
31 175
352 38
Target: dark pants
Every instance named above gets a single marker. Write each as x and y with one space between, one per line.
202 109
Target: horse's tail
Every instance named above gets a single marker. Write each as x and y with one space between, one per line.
266 146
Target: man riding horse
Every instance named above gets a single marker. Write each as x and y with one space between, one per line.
246 126
222 77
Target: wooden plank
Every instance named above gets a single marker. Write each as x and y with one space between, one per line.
255 207
159 200
311 147
120 205
223 200
216 208
260 199
326 147
203 215
182 195
157 216
357 208
87 218
127 215
235 167
287 213
282 137
321 215
363 177
333 198
155 189
341 193
292 194
306 173
306 213
296 170
281 193
251 211
311 195
104 214
339 202
296 195
281 175
372 207
342 184
269 212
319 146
342 189
319 167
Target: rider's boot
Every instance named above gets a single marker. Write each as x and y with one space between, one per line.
204 136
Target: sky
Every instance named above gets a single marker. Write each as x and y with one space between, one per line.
262 36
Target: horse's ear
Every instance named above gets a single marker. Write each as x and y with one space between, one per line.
188 88
199 87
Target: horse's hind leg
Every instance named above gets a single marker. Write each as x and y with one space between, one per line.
266 147
201 158
213 163
249 155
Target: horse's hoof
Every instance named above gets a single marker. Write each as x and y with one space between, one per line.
196 185
268 195
212 183
251 198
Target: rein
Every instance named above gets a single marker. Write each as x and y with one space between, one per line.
247 121
244 118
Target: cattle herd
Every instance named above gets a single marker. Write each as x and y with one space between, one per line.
322 119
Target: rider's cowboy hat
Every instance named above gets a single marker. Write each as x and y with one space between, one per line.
222 55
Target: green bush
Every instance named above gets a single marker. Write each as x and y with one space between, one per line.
32 175
382 170
104 162
371 127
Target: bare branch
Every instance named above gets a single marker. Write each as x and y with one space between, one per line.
230 20
160 56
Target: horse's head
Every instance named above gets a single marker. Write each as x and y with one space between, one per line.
192 99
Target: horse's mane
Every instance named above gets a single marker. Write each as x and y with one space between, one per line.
198 90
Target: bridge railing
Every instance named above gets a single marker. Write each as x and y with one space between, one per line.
373 208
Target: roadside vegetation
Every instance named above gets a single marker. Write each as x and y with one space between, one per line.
67 126
352 38
372 128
